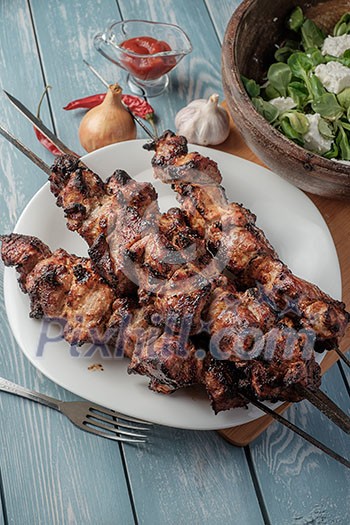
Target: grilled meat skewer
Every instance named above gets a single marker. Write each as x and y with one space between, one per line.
132 245
212 169
230 387
66 288
232 235
268 356
72 176
63 286
120 216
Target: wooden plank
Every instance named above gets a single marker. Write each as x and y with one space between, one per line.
346 372
300 484
55 473
19 180
192 477
47 465
221 12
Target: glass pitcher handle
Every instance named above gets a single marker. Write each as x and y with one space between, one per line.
101 43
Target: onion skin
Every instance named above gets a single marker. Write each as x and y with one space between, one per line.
107 123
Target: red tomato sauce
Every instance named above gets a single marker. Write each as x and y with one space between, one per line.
146 68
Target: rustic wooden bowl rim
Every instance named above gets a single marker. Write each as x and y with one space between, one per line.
261 127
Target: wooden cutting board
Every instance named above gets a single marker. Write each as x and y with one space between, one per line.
337 216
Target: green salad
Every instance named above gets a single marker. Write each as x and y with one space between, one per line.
306 94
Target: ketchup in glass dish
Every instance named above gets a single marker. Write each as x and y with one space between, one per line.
140 61
146 50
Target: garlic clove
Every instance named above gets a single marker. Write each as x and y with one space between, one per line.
107 123
203 122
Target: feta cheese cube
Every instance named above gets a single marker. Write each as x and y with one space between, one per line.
313 138
334 76
336 45
283 103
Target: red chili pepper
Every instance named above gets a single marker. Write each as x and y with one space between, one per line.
42 139
86 102
47 143
141 108
138 106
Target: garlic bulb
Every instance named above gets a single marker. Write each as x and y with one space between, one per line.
203 122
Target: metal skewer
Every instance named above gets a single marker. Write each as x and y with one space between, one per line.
27 152
135 117
299 431
342 356
325 405
38 124
97 74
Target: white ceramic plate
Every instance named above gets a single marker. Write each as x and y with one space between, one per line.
291 221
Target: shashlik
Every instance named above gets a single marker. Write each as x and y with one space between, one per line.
154 283
232 236
227 387
66 288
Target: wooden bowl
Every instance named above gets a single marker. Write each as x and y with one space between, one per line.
252 34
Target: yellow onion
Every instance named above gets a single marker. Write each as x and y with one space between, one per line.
107 123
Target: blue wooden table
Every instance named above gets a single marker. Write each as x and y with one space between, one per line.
52 473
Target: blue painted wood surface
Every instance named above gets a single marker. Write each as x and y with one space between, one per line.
53 473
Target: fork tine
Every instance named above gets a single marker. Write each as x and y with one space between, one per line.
116 422
93 423
113 413
121 439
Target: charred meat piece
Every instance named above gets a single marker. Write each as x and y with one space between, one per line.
170 244
64 287
222 384
169 360
173 162
111 216
24 253
175 273
179 303
270 357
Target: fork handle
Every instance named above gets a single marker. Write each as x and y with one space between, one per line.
12 388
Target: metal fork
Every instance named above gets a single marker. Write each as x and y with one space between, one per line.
85 415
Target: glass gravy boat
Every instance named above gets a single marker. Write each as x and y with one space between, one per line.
147 70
